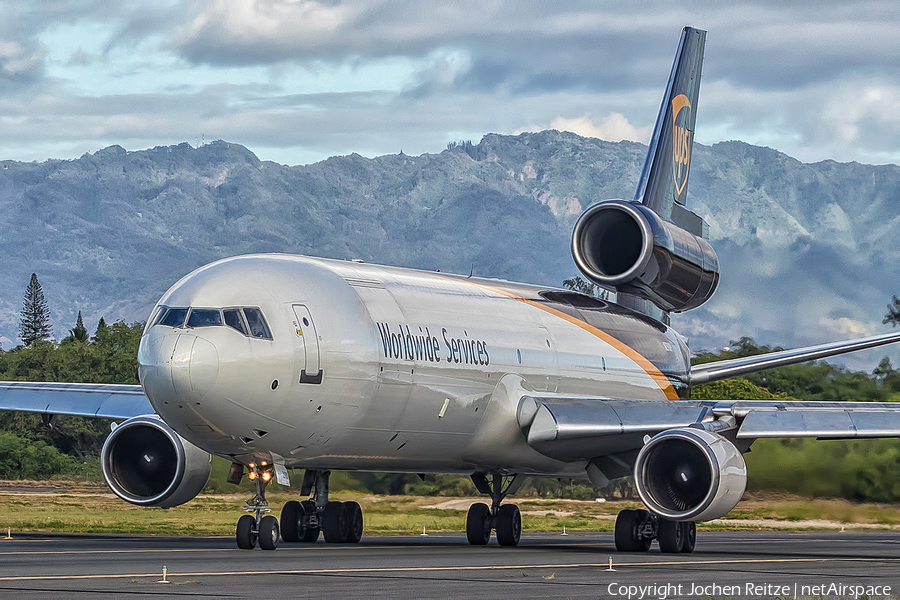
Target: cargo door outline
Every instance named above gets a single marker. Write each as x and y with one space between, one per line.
306 331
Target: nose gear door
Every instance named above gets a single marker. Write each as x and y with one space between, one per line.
306 331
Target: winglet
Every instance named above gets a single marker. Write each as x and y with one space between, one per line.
663 183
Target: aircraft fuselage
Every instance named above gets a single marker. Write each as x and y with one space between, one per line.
387 369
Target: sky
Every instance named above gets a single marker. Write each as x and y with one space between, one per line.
299 81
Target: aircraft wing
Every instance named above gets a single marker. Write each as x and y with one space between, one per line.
79 399
725 369
582 429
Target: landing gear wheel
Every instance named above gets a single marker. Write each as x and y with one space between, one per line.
671 536
478 524
354 522
689 536
291 514
246 536
629 531
268 533
509 525
335 525
306 531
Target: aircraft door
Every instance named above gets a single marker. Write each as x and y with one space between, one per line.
306 331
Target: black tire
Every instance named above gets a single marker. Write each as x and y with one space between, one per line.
478 524
690 536
306 532
509 525
291 514
268 533
354 522
671 536
245 534
626 531
335 525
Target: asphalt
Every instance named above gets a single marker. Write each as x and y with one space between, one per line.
444 566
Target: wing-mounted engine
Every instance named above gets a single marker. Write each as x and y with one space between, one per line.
146 463
627 246
690 475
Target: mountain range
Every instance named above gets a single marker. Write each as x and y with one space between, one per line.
808 252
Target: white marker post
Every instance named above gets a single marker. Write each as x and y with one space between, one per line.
423 531
610 565
164 580
564 531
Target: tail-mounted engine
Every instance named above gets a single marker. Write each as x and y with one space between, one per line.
627 246
146 463
690 475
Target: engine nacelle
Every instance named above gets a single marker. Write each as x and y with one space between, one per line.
627 246
690 475
146 463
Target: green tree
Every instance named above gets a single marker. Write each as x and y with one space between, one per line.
79 333
101 328
587 288
893 313
34 320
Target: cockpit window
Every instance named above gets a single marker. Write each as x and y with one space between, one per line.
159 315
204 317
233 319
257 323
248 321
174 317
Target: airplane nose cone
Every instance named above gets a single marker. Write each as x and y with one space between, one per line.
176 368
195 366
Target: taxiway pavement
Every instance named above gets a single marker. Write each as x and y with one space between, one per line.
544 565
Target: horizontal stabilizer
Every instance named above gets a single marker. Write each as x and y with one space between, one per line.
78 399
725 369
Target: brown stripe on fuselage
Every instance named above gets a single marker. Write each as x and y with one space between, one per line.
661 380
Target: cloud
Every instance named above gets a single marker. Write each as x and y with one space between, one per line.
815 81
16 60
613 128
850 328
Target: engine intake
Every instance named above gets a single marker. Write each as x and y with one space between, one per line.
627 246
146 463
690 475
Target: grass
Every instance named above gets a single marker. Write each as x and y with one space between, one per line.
93 509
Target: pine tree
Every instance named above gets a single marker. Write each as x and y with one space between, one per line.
101 330
34 320
80 332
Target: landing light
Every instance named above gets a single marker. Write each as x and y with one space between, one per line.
266 476
252 475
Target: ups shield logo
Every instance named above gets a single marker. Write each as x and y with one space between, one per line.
681 142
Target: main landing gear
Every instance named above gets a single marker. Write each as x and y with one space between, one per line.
505 520
636 530
257 527
339 522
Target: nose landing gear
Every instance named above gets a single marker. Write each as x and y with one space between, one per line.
257 525
506 520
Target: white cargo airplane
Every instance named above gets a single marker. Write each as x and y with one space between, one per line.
280 362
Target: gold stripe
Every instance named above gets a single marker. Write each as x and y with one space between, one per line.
661 380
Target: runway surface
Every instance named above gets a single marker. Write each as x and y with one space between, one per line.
440 566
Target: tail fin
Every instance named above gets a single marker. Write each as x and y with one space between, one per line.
663 184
